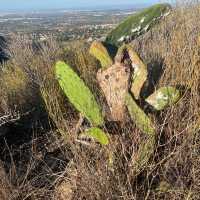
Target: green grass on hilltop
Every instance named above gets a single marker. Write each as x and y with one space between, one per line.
137 24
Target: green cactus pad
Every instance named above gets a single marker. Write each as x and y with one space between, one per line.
98 135
100 52
164 97
120 53
145 151
78 93
142 121
140 72
137 24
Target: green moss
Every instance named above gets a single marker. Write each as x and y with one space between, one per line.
78 93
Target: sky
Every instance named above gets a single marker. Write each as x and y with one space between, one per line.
66 4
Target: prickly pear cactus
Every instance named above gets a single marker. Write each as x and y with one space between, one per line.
140 73
142 121
145 151
101 53
164 97
137 24
78 93
114 82
120 91
122 83
98 135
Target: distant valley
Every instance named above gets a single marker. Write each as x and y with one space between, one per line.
65 25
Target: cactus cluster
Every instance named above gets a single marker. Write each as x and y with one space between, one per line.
82 99
121 80
122 83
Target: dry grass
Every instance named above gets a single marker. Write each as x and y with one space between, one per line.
173 171
6 188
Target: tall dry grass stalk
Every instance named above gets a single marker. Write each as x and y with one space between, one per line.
6 188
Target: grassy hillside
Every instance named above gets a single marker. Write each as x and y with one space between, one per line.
137 24
39 166
3 46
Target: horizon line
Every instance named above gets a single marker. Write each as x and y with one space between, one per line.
84 8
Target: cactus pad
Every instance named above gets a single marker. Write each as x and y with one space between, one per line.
144 153
121 53
78 93
98 135
164 97
100 52
140 73
142 121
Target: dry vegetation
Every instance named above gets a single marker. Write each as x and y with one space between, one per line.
74 171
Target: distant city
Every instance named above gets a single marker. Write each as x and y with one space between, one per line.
63 25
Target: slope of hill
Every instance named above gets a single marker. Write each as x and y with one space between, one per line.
40 166
137 24
3 46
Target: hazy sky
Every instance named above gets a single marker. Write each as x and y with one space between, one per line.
54 4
